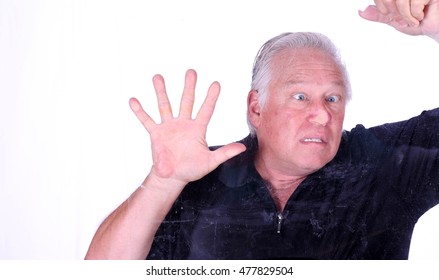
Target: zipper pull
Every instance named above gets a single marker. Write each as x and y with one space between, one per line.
279 222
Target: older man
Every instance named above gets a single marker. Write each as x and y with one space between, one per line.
298 187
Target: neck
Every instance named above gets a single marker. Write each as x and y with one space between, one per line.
280 184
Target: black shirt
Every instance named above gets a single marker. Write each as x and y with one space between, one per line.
362 205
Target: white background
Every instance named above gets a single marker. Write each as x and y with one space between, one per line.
70 148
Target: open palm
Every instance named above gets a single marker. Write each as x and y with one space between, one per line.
179 148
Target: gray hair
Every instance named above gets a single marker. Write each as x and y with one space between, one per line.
262 65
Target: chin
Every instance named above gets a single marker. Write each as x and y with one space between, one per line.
315 166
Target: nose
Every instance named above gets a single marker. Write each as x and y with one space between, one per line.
319 115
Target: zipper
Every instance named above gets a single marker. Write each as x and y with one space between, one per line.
280 218
279 215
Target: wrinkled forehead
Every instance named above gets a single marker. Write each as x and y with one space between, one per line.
308 63
305 58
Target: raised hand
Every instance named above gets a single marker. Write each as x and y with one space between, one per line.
413 17
179 148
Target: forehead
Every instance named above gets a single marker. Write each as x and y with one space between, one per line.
304 62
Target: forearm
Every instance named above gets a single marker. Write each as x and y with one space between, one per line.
129 231
435 37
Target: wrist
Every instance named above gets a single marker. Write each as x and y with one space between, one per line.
154 182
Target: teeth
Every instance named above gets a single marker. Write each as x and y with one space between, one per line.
315 140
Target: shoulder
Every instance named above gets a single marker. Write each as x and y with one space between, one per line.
235 172
238 170
420 131
361 144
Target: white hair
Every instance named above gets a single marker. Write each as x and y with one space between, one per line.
298 40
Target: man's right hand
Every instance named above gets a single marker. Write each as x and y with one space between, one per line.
179 149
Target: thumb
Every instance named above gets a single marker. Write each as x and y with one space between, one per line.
372 13
227 152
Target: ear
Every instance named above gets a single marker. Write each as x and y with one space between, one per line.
253 108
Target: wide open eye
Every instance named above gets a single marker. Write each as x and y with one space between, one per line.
333 99
299 96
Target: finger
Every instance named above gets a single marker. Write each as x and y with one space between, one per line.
188 97
390 6
227 152
418 7
381 7
147 122
162 98
206 110
404 9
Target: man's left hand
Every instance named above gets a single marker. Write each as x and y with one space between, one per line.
413 17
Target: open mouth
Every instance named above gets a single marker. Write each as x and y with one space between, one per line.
313 140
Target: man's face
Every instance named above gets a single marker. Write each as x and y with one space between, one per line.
299 128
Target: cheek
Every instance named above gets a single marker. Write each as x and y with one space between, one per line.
269 118
281 121
272 125
337 120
